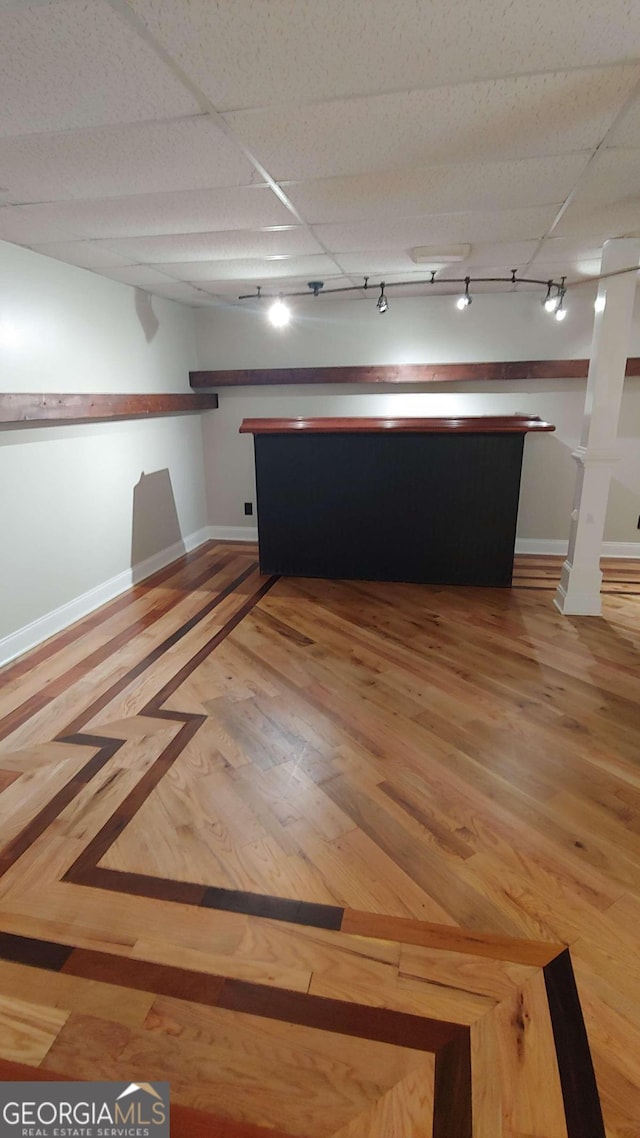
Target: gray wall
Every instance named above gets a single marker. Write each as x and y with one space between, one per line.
68 526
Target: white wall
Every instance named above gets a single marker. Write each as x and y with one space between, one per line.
328 332
67 526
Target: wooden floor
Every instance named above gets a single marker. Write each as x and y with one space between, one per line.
330 857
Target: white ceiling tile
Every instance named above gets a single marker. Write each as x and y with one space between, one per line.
438 189
217 246
188 211
185 293
252 270
231 290
619 219
86 254
140 276
438 229
498 119
250 53
569 250
614 174
190 153
513 254
76 64
627 131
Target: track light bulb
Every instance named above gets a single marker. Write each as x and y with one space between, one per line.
465 300
383 303
561 313
279 313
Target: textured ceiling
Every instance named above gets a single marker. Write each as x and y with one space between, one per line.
199 149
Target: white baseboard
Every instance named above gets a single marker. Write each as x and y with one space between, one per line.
55 621
233 533
545 548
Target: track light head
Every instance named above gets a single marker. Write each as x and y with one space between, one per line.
561 311
551 301
383 303
465 300
279 313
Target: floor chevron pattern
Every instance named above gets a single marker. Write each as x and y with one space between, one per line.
197 801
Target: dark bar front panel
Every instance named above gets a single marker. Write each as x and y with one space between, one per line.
389 505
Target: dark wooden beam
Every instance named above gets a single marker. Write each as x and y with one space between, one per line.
20 408
402 373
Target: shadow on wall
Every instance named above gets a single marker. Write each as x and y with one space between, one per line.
144 309
155 526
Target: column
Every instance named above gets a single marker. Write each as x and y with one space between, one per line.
579 589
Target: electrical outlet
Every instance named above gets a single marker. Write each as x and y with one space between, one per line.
248 508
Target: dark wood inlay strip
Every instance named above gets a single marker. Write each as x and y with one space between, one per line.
6 778
452 1106
38 953
381 1024
152 707
140 885
133 673
577 1078
463 425
276 908
35 407
121 817
35 703
32 831
399 1028
163 980
402 373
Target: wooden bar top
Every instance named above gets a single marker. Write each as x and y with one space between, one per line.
472 424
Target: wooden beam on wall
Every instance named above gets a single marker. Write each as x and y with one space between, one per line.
31 408
402 373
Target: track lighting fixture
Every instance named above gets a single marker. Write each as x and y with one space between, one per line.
279 313
465 300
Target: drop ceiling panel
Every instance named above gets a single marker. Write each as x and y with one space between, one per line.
612 176
627 131
189 211
249 53
513 254
140 276
569 251
86 254
438 189
217 246
500 119
231 290
620 219
185 154
254 270
76 64
438 229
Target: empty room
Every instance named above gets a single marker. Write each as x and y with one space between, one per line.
319 569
